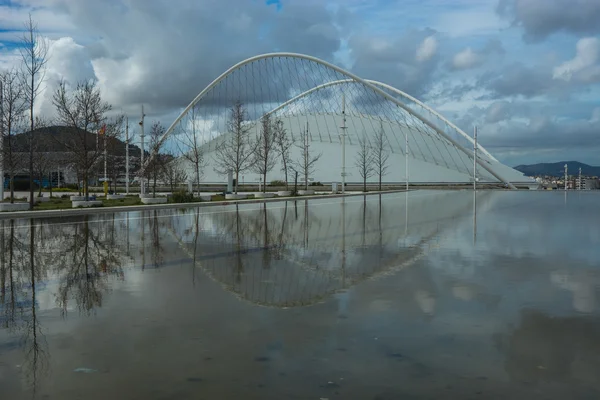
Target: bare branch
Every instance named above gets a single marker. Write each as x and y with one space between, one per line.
306 164
235 152
380 154
364 160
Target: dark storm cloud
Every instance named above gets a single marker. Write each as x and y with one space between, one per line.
159 53
518 79
540 18
394 61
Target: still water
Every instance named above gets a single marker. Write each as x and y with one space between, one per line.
402 296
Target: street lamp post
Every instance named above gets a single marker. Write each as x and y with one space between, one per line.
142 187
126 155
475 159
343 135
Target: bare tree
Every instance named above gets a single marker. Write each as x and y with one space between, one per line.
191 147
380 155
34 51
306 164
264 157
173 173
82 110
12 116
236 150
113 156
364 161
115 149
155 164
283 145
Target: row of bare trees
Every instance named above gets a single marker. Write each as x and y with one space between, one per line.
240 151
372 159
85 131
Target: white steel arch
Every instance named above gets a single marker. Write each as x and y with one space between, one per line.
394 90
350 75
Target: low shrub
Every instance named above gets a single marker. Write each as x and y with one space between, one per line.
277 183
182 197
316 184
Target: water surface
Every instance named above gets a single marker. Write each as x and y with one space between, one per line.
420 295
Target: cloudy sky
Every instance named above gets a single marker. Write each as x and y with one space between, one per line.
527 72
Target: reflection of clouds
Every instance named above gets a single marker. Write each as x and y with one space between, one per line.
552 349
425 301
463 292
317 250
583 284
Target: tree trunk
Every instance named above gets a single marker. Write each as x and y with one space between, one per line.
154 184
237 175
380 181
286 174
296 184
365 183
265 181
198 178
86 190
12 187
31 142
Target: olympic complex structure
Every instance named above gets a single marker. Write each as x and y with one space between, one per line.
334 111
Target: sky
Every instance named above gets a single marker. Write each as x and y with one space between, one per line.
526 72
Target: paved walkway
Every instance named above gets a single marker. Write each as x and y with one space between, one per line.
146 207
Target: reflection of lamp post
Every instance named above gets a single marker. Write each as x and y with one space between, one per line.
566 175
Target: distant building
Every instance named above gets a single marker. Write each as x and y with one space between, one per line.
590 184
58 164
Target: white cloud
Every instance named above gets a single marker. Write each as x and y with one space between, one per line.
595 115
466 59
583 66
427 49
65 60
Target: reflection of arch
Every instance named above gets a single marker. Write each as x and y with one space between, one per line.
368 84
303 279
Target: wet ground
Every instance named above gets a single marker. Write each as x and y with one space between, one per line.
404 296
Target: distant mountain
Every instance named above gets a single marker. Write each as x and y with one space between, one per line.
53 138
558 169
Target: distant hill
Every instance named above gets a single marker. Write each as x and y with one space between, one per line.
52 139
558 169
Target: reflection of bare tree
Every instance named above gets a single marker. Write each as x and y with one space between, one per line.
36 356
279 250
157 250
85 268
267 254
10 279
239 264
19 270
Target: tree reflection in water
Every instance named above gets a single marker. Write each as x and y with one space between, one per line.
262 256
87 262
20 273
80 256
